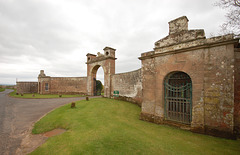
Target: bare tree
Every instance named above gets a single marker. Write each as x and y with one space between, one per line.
232 24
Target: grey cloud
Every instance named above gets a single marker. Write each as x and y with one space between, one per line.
57 35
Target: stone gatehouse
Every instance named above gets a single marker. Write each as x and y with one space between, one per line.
187 80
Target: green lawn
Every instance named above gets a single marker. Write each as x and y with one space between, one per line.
13 94
106 126
2 89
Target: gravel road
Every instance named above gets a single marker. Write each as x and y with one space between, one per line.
17 116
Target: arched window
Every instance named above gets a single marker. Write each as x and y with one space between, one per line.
178 97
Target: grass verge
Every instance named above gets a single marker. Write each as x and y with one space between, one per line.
13 94
2 89
106 126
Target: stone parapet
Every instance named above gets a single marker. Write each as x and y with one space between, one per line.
109 53
188 46
180 37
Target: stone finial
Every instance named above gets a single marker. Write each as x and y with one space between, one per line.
178 25
41 74
99 54
41 71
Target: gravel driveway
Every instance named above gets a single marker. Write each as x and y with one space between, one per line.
18 115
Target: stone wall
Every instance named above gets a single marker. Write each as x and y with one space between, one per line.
237 92
27 87
63 85
219 89
129 86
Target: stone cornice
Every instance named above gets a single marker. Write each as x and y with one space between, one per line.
97 59
153 54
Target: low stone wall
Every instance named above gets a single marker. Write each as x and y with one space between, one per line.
27 87
64 85
129 86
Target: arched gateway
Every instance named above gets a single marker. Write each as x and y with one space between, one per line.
107 62
178 97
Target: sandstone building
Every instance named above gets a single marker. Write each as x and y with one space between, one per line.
193 80
187 80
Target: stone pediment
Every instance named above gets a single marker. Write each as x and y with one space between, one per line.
109 53
179 33
180 37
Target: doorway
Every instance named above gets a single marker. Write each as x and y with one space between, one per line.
178 97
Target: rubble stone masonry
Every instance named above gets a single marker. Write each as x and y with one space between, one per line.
63 85
129 86
27 87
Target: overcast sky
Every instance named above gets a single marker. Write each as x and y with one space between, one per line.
56 35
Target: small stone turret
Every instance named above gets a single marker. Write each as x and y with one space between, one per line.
90 57
109 52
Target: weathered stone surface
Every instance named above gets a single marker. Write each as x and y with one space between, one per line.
178 25
237 91
210 65
129 86
27 87
63 85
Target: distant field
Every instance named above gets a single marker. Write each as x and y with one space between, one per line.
13 94
105 126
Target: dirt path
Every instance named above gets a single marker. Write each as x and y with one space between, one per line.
16 119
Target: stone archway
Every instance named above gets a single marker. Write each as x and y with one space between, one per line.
107 62
178 97
94 78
